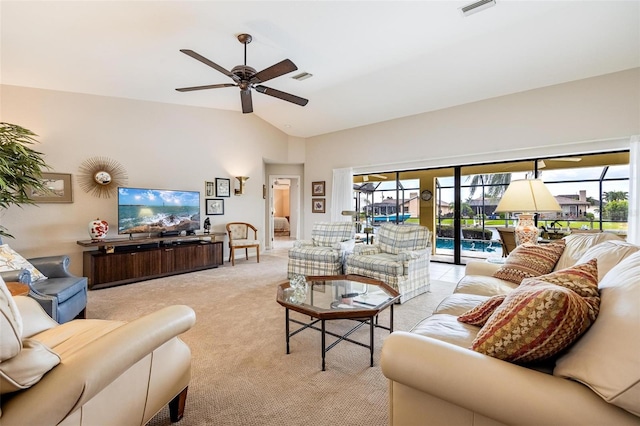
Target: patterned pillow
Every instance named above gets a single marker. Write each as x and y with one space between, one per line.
11 261
481 313
543 316
530 260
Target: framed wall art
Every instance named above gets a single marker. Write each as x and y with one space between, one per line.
214 206
317 188
317 205
209 189
59 185
223 187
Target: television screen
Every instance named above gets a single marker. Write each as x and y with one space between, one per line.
142 210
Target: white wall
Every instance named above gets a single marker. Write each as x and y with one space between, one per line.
160 145
583 116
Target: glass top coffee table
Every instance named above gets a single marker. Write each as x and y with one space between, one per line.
350 297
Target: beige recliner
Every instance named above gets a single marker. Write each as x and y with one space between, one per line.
89 371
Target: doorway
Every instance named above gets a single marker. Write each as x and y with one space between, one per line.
284 218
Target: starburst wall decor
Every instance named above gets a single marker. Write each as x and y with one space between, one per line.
101 176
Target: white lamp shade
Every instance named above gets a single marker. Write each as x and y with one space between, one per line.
528 196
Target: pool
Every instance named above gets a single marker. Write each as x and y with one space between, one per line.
470 245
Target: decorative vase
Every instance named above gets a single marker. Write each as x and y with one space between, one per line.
526 230
98 229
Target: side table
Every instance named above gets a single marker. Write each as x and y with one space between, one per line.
17 289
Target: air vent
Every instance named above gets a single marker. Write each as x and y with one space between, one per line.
472 8
302 76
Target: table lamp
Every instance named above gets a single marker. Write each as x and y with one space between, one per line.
527 196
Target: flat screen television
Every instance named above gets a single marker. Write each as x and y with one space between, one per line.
157 211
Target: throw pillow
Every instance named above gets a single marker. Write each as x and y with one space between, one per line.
27 368
11 261
543 316
530 260
481 313
10 325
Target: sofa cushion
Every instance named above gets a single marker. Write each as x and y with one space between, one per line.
577 244
543 316
459 303
10 325
394 238
448 329
530 260
27 368
484 286
384 263
317 254
63 288
606 358
609 254
11 261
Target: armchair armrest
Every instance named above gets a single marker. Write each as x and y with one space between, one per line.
85 373
302 243
16 275
413 254
497 389
481 268
346 246
53 266
366 249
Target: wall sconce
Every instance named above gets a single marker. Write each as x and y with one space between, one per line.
242 180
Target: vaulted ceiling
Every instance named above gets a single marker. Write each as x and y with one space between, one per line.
371 60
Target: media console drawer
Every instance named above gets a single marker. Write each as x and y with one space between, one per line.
138 264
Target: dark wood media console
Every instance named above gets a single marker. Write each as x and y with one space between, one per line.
118 262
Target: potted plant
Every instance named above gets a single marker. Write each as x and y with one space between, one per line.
21 168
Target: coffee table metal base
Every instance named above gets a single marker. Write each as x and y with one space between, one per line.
323 329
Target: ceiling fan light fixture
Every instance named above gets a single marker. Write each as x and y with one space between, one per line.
476 7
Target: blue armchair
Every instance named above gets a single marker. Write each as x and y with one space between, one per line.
62 295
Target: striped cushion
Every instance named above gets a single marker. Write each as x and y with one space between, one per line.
394 238
320 254
326 234
530 260
385 263
543 316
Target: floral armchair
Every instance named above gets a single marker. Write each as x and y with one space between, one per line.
400 258
324 254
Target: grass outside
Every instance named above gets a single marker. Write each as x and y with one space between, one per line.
618 227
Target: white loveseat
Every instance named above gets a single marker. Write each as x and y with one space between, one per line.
436 379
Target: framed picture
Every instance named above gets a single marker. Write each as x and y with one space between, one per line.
209 189
59 185
317 205
214 206
317 188
223 187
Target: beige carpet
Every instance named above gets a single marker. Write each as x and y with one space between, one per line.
241 374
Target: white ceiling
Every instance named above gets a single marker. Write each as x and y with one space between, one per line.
371 60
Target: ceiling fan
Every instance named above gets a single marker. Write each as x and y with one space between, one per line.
365 178
542 164
246 78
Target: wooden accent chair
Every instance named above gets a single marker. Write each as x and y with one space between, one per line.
508 240
239 238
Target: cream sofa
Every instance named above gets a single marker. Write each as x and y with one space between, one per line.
435 379
90 372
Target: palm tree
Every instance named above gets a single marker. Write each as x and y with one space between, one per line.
496 184
616 196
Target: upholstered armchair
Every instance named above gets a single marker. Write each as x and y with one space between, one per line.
324 254
60 293
400 258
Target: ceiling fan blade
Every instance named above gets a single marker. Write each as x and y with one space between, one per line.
282 95
210 86
274 71
206 61
247 103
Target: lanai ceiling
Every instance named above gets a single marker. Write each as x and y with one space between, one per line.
371 61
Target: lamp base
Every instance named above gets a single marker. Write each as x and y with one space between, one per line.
526 231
